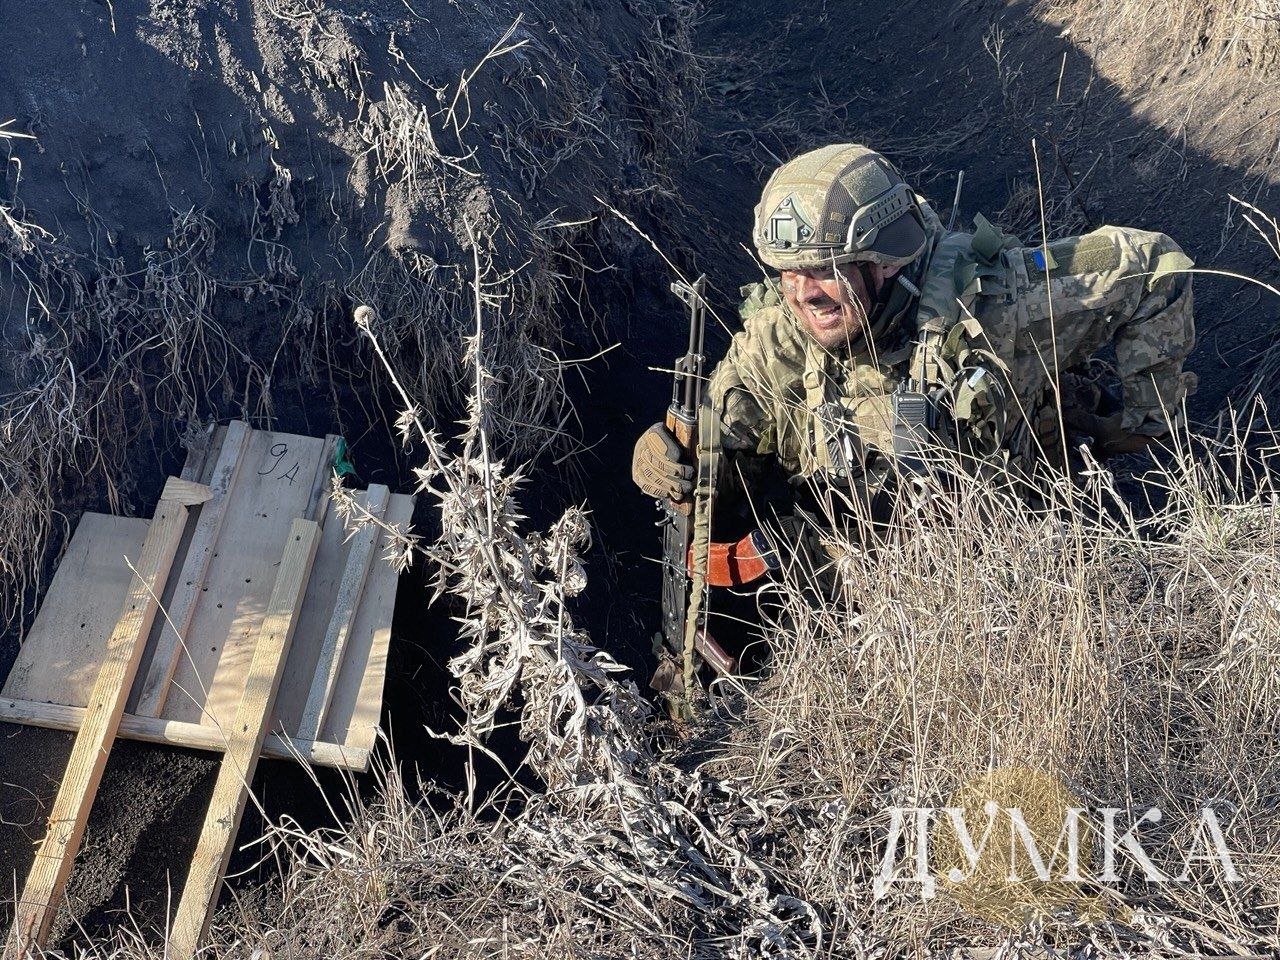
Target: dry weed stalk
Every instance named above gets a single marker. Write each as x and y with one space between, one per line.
648 842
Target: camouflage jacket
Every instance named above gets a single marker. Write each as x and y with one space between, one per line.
981 300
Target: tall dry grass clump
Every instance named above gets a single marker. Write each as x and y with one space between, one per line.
1132 662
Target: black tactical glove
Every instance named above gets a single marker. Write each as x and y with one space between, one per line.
656 467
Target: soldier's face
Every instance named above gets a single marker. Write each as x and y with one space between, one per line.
832 302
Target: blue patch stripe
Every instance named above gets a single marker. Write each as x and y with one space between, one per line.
1038 257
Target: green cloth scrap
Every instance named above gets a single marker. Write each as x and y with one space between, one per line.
342 464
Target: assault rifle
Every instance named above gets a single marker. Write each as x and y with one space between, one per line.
678 518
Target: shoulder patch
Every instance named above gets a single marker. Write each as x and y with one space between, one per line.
1075 255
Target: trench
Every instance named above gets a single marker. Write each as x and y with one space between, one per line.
920 84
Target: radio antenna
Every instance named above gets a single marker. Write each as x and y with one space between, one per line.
955 204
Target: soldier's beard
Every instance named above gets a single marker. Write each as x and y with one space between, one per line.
835 317
834 325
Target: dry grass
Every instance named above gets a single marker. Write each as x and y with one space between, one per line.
96 360
1133 660
1234 34
1136 660
1205 73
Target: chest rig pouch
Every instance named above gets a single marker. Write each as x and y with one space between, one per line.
953 364
954 392
851 405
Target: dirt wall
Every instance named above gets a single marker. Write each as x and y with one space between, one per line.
209 187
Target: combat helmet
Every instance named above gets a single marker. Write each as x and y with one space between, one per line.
837 204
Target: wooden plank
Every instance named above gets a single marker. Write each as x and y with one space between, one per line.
246 734
360 558
198 451
153 689
189 493
38 904
318 506
356 708
205 470
274 488
317 611
61 655
197 736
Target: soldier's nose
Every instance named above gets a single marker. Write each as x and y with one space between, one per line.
807 288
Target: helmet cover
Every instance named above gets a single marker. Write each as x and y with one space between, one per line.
838 204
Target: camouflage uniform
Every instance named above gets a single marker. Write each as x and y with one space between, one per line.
987 301
969 340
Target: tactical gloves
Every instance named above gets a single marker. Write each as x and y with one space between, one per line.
1109 438
656 467
1090 415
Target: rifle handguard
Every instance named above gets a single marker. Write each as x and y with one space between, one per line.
682 430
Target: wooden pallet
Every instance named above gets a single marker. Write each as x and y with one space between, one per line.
237 620
282 477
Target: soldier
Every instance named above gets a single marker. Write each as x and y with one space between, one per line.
886 335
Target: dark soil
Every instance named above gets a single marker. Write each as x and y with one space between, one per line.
114 105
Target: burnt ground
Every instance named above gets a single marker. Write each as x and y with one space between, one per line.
940 88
